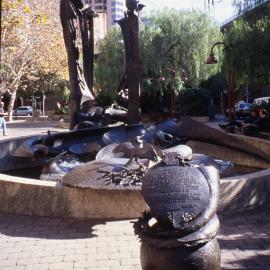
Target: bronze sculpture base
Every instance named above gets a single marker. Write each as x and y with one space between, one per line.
201 257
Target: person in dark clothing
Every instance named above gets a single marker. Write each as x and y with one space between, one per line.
254 114
261 124
230 127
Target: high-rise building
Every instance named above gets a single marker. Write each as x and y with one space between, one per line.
97 5
114 9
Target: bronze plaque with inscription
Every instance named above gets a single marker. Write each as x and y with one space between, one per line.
177 193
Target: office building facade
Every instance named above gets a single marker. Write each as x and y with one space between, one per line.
114 9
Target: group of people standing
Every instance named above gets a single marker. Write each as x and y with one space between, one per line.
3 124
258 121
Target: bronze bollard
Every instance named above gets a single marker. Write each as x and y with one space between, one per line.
183 201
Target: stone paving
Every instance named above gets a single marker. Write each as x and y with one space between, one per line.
244 239
24 128
57 243
20 128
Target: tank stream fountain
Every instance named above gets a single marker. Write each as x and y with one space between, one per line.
97 172
122 171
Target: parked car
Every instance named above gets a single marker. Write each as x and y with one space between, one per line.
242 109
261 100
23 111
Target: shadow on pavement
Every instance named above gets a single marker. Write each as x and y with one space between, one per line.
49 228
244 239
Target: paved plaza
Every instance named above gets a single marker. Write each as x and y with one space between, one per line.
21 128
57 243
62 243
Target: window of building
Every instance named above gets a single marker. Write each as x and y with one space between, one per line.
117 3
100 7
117 10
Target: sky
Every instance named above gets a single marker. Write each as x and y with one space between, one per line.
223 8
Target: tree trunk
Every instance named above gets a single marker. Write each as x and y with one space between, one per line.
11 104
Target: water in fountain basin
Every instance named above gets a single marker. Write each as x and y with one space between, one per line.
224 164
68 163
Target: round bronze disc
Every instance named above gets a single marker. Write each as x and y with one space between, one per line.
177 194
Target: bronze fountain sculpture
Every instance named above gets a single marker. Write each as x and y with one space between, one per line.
131 78
77 19
182 195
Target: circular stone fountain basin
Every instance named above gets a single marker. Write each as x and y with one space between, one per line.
43 198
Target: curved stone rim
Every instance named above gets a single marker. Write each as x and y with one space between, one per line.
20 195
64 201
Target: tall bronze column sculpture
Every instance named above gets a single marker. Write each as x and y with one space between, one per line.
76 20
130 29
87 32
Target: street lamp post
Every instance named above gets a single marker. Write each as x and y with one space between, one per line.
173 88
230 77
183 76
247 89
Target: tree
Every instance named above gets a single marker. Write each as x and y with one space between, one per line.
42 83
182 40
170 40
109 67
29 43
195 102
15 59
251 50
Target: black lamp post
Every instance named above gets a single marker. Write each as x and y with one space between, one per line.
228 56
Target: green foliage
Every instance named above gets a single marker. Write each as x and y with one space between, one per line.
104 98
62 110
251 50
178 40
170 40
41 82
215 85
195 102
155 96
109 67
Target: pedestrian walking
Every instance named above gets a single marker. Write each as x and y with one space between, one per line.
3 124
